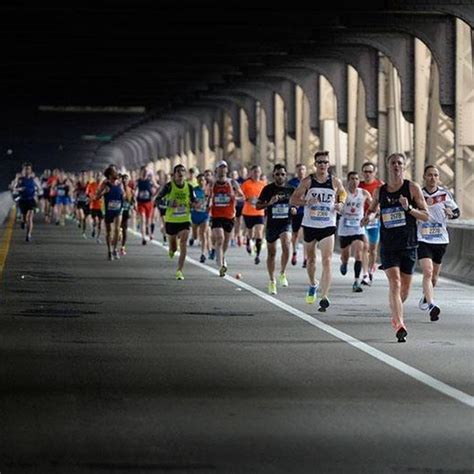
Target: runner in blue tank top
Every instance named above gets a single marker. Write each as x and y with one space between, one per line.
112 190
28 188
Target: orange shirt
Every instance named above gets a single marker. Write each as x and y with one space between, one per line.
91 190
252 190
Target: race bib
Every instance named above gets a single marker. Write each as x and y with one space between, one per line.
61 192
431 230
180 211
393 217
144 194
221 199
114 205
372 225
126 206
280 211
320 213
351 222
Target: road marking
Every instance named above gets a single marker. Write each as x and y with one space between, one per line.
362 346
5 245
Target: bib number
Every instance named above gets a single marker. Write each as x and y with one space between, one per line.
351 222
280 211
221 200
114 205
431 230
144 194
319 213
393 217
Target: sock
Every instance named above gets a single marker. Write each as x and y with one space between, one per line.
152 228
258 246
357 268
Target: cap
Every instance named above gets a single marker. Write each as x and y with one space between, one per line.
221 163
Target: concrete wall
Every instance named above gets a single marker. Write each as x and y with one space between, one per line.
6 203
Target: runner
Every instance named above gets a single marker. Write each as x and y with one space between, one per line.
145 190
95 206
111 189
51 187
200 216
323 196
44 199
82 201
398 234
433 237
28 188
180 197
209 176
351 232
275 199
253 218
127 206
62 190
372 230
222 207
297 219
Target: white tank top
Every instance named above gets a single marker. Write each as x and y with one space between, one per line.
353 212
321 214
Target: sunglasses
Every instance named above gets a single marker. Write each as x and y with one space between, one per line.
280 174
368 171
321 162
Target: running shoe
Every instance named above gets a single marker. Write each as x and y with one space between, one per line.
434 312
283 280
272 287
109 256
401 334
191 242
202 259
257 260
212 254
305 263
123 251
311 295
423 304
323 304
84 236
179 275
232 242
28 238
248 247
365 280
171 253
222 271
98 241
356 288
294 258
115 255
371 277
143 241
343 268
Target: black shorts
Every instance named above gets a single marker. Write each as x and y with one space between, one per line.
434 252
296 221
125 217
52 200
238 208
318 234
174 228
273 232
27 205
250 221
83 205
346 240
97 213
162 211
110 216
223 223
405 259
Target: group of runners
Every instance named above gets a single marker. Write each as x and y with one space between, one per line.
214 206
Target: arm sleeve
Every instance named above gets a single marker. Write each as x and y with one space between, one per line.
192 194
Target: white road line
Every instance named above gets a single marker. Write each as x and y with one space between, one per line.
362 346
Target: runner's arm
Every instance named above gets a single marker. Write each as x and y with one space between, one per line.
421 211
298 197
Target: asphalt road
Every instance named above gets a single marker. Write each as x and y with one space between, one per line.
118 367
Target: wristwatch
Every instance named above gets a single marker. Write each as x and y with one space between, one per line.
409 208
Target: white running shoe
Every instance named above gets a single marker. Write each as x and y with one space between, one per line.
423 304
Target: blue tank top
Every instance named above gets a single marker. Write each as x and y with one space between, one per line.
144 190
27 188
113 198
201 198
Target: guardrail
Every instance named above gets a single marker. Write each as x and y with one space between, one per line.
6 203
458 262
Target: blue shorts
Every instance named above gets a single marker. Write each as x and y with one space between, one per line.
198 218
64 200
373 234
